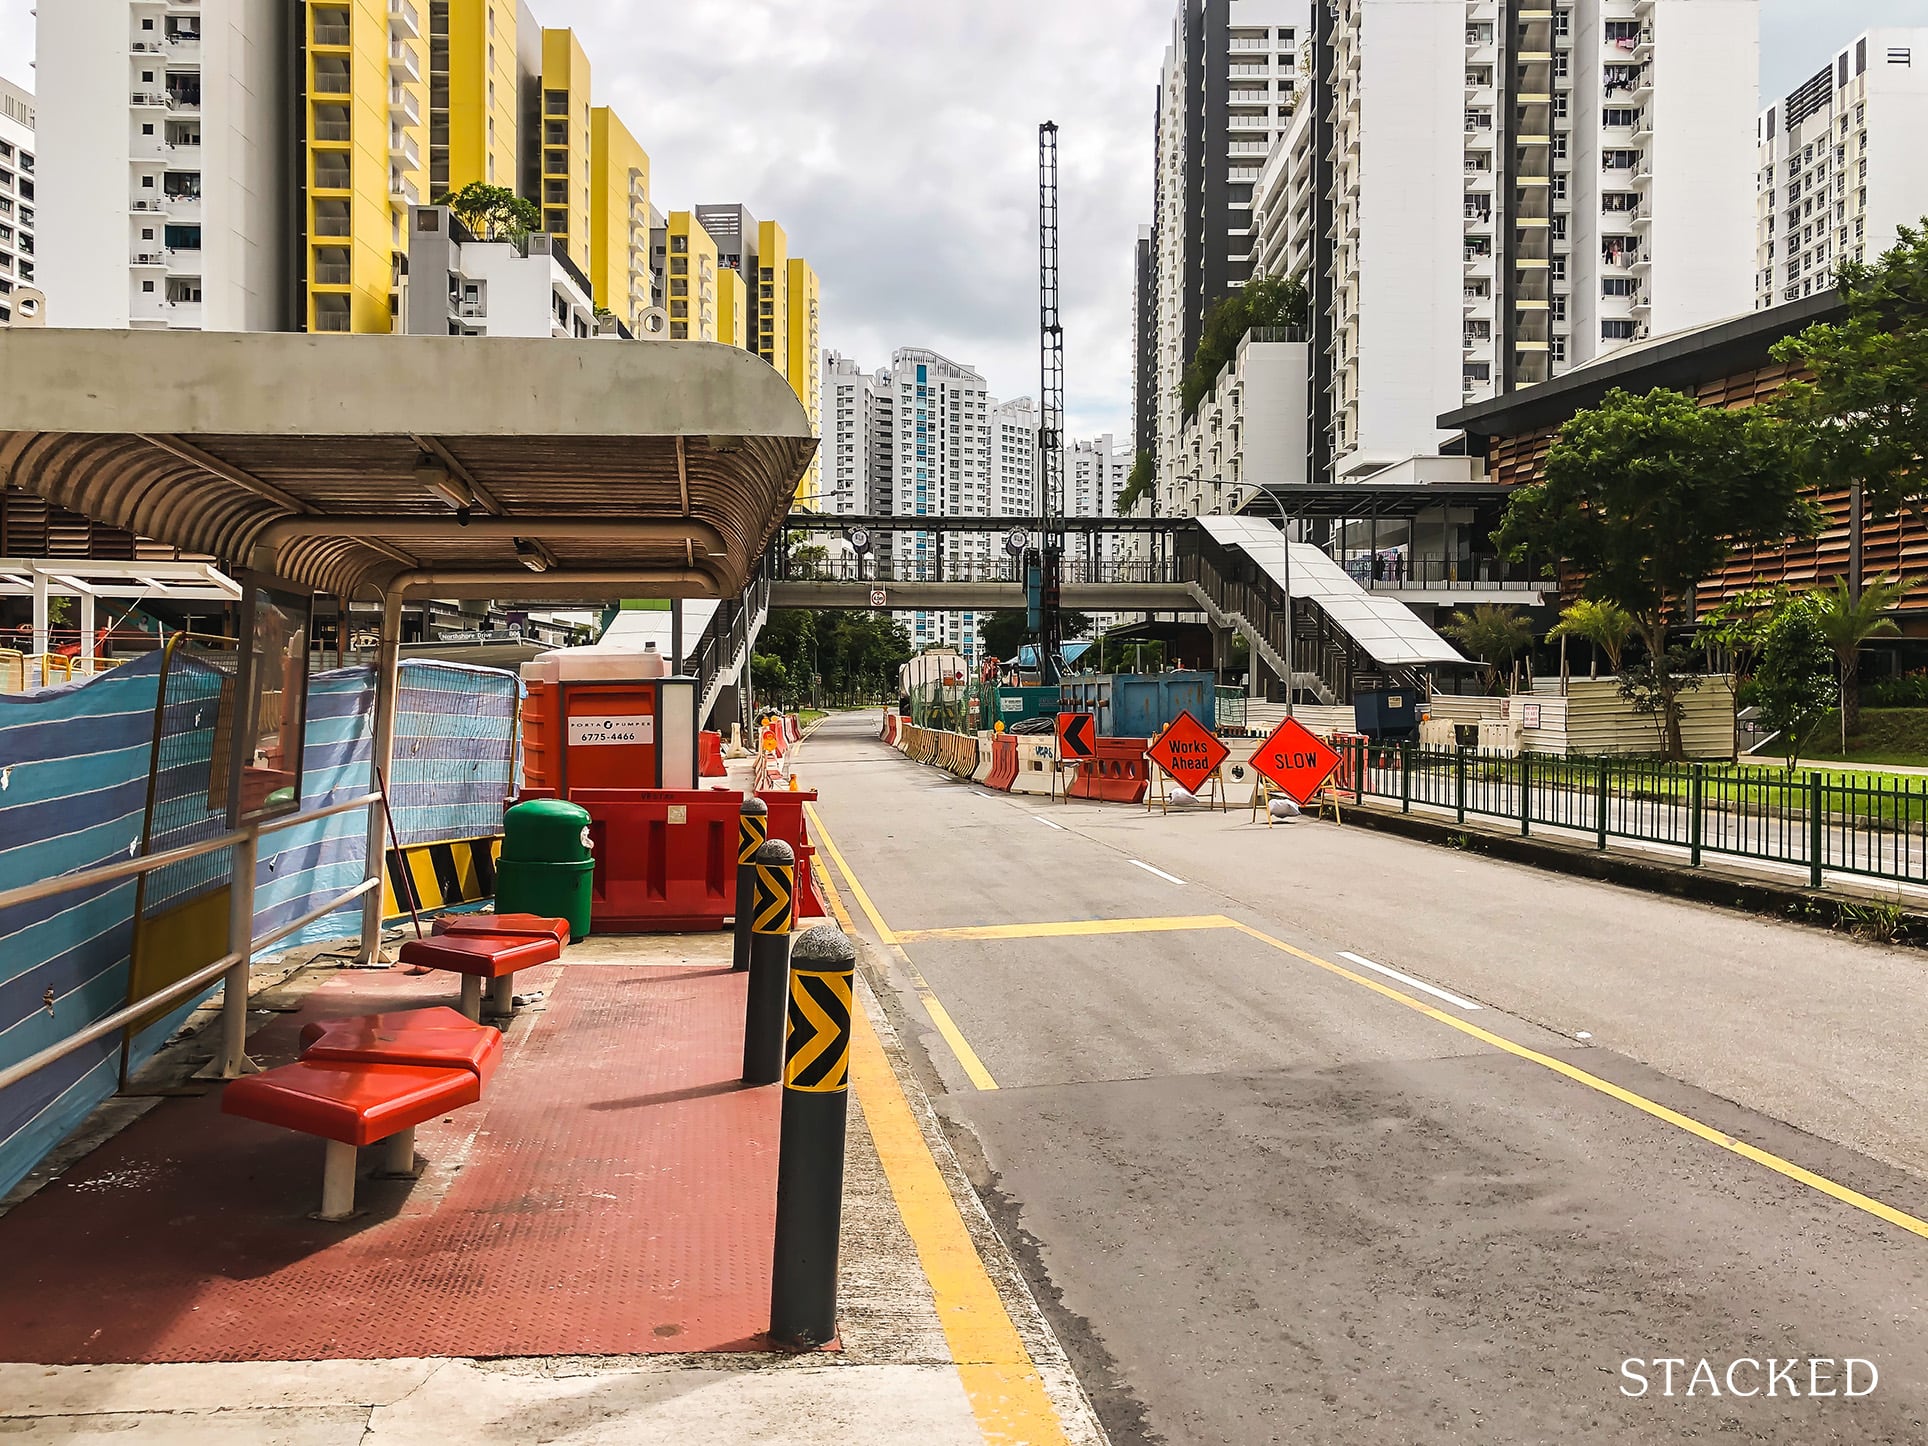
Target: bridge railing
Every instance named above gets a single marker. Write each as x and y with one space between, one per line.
1074 571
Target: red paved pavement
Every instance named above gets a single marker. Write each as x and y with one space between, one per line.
613 1193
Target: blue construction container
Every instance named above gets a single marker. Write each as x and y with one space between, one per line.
1137 705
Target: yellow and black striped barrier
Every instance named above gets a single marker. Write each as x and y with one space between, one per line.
438 875
810 1140
752 832
773 907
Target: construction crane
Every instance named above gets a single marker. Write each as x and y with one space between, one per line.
1043 564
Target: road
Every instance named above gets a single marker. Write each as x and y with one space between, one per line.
1271 1192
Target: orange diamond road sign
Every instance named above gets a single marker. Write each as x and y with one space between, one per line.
1189 751
1076 735
1295 762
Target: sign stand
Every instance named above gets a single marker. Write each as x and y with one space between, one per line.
1262 791
1214 790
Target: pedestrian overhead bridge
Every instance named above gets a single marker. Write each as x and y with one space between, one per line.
1236 571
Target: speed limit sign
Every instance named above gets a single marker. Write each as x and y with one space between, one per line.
876 597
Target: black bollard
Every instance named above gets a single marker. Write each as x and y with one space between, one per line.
773 907
752 828
810 1146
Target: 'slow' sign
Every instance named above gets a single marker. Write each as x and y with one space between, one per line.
1295 762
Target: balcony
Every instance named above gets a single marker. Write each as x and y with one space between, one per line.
148 99
402 188
330 78
331 172
331 37
142 45
402 103
184 206
184 45
403 151
402 62
148 258
184 100
403 21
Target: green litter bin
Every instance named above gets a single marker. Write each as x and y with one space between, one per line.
546 867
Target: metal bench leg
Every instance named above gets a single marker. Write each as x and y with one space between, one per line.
337 1182
398 1156
502 997
472 998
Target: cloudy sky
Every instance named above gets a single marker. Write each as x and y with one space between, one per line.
896 143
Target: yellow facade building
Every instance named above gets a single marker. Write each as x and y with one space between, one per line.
732 309
365 144
804 365
565 144
474 116
770 334
619 219
690 281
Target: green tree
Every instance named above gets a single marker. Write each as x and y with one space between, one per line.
1735 632
1847 622
1604 625
1494 633
1795 684
1645 496
492 213
770 678
1138 485
1262 301
1863 420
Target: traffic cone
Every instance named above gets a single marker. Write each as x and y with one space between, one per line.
795 787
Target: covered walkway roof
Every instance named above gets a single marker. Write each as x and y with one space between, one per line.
457 467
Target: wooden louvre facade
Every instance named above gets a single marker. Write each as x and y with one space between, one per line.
1726 365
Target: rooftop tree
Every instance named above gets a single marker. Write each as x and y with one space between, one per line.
1646 496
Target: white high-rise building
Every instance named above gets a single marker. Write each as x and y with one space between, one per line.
1516 187
1014 458
164 155
1842 164
850 439
22 303
1095 470
1228 89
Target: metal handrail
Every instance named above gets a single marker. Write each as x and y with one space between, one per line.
199 979
145 863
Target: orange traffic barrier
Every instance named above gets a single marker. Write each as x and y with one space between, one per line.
1117 772
1004 763
710 762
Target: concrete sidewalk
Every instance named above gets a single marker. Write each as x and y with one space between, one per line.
940 1340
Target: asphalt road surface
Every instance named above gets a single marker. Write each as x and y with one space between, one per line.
1272 1192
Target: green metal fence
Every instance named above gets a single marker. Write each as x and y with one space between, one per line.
1871 825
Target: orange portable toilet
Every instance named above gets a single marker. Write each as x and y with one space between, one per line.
607 718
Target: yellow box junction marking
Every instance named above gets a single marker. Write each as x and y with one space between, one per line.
960 1047
1070 928
1007 1396
1640 1102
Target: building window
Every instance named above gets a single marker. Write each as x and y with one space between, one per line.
1616 330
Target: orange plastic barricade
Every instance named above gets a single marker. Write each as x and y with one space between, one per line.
1116 773
1004 763
787 823
710 755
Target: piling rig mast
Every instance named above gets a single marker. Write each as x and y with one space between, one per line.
1044 563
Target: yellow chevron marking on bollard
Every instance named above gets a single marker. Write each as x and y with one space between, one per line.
752 833
822 1064
776 884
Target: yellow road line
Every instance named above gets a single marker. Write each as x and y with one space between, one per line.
1069 928
973 1067
1640 1102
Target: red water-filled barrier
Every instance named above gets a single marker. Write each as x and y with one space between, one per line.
665 857
710 755
1004 763
787 823
1117 772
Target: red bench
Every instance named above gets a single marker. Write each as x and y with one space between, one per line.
371 1078
513 926
495 957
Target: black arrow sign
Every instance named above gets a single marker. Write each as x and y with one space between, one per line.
1075 736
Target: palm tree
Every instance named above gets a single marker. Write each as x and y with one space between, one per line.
1492 632
1847 622
1605 625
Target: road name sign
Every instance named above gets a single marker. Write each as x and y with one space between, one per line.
1077 735
1188 751
1294 761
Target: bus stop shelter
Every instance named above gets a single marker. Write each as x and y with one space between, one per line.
385 468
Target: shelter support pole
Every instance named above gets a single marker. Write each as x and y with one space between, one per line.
233 1062
676 637
87 651
380 766
42 605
